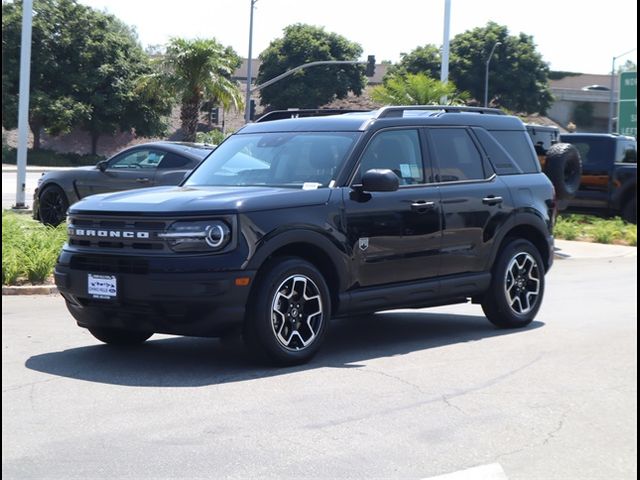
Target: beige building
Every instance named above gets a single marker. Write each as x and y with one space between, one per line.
584 101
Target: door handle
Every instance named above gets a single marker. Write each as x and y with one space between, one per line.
492 200
422 206
142 180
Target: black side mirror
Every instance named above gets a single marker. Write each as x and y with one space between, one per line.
380 180
102 165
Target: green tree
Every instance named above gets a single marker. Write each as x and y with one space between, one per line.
518 77
84 69
628 66
316 86
416 89
424 59
197 71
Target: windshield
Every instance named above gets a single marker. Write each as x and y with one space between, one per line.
291 159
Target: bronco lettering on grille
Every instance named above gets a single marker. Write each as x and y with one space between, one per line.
86 232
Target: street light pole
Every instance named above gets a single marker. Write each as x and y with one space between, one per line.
23 102
613 73
486 75
444 64
249 61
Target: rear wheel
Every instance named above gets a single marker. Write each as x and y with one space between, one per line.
290 314
116 336
517 286
53 206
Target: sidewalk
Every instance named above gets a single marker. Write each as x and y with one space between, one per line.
572 249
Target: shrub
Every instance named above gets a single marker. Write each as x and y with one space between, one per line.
214 137
49 158
29 249
600 230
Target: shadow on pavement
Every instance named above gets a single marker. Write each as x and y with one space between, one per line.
189 362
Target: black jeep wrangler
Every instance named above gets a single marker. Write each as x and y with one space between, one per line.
289 223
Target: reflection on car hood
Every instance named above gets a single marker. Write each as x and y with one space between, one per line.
197 200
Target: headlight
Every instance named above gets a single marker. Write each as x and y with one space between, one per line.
41 179
200 236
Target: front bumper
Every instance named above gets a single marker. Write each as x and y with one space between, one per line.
202 303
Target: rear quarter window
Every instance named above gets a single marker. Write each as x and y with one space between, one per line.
519 147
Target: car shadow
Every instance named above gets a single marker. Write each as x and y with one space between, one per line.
189 362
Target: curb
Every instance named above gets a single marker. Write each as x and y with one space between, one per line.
29 290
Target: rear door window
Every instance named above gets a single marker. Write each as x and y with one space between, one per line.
519 147
456 155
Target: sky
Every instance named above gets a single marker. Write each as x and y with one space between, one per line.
571 35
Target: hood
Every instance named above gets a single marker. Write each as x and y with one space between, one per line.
197 200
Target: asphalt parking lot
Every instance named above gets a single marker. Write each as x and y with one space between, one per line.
403 394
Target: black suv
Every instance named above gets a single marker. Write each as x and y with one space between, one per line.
291 222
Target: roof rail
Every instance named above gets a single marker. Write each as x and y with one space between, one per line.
395 111
305 112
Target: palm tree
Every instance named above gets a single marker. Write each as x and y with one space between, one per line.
199 70
417 89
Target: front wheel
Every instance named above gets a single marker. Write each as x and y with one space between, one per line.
517 286
290 313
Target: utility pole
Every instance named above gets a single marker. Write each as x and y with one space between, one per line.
444 66
249 64
23 103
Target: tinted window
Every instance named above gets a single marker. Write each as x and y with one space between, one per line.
138 159
398 151
626 152
457 156
171 160
594 151
518 145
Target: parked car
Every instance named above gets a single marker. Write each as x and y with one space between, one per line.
145 165
609 174
292 222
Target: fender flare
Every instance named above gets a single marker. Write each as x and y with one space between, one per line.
320 240
526 219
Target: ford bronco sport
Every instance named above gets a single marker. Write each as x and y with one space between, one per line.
289 223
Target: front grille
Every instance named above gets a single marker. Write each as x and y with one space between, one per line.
109 264
110 233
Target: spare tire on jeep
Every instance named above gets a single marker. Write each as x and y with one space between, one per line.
563 166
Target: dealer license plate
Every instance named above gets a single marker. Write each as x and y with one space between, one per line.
103 287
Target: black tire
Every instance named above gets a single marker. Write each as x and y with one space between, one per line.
116 336
53 205
563 166
630 210
510 301
288 331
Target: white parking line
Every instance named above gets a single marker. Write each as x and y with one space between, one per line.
492 471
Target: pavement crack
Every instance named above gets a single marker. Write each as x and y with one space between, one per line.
30 384
551 435
394 377
448 402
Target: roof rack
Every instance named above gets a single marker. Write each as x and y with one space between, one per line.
395 111
305 112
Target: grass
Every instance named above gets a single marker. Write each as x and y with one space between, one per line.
29 249
594 229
